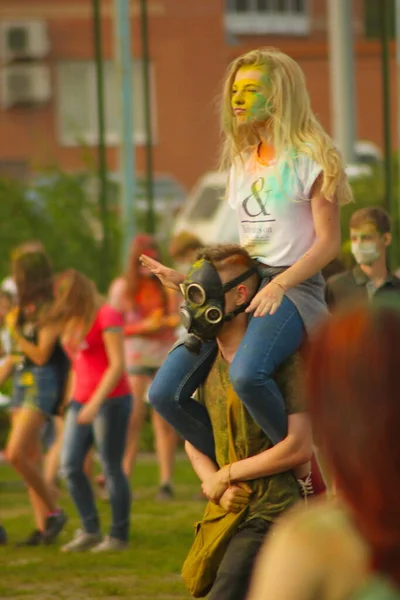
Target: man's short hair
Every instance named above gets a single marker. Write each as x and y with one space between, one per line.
232 260
376 215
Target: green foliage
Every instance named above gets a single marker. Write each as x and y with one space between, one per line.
62 211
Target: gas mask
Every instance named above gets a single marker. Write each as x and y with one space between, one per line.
203 312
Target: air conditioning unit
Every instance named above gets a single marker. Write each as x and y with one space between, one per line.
24 84
23 40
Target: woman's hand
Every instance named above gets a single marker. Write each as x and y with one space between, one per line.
235 498
168 277
87 413
267 300
216 485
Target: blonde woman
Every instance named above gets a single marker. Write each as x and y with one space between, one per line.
286 182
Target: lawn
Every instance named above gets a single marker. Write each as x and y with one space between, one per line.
160 537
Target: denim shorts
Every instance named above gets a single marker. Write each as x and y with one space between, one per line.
37 387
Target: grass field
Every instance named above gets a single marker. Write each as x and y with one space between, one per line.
161 534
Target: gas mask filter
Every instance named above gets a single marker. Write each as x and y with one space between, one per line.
203 312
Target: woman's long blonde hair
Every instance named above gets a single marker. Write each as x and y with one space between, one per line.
292 125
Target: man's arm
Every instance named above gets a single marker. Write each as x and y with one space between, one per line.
294 450
203 466
235 497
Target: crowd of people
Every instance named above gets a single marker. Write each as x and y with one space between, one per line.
276 400
65 346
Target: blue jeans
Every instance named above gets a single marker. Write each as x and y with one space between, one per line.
108 431
268 342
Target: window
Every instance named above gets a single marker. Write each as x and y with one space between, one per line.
372 16
207 205
77 106
281 17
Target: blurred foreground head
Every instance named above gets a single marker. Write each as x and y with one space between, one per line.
183 246
352 382
33 275
142 244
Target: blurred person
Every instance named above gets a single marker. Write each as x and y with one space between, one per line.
8 284
349 548
5 339
39 368
150 316
98 411
183 249
335 267
248 474
51 432
286 183
3 536
370 235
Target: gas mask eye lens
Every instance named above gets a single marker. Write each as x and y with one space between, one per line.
213 315
195 294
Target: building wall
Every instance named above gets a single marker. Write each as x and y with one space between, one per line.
190 51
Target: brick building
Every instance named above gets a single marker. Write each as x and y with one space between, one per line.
191 43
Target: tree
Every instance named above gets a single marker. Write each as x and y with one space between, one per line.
59 210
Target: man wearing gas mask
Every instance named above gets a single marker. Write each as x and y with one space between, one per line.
216 292
370 279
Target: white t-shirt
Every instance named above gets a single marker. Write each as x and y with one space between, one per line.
273 208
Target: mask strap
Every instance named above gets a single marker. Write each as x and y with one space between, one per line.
234 313
229 285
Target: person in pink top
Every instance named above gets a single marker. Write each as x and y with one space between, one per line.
150 314
99 410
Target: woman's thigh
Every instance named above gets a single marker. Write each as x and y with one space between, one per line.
25 432
77 440
181 374
268 341
110 428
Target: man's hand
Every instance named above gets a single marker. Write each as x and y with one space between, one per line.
216 485
236 497
168 277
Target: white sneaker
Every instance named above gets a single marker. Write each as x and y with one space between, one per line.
82 541
110 544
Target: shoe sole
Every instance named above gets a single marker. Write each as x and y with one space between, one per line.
86 549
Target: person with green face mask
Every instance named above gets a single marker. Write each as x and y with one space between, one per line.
370 235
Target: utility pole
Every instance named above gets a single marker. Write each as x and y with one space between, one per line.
397 257
144 26
387 138
342 75
101 146
123 61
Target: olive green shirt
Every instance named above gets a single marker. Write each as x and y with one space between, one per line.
271 495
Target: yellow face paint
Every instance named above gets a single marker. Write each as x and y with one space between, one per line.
249 98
